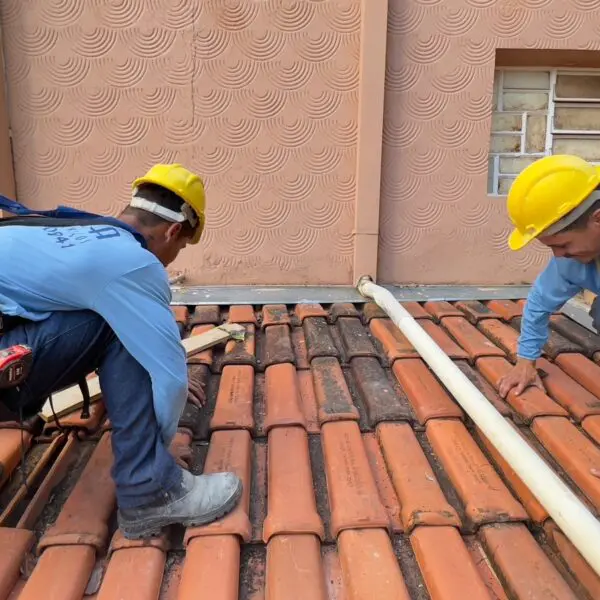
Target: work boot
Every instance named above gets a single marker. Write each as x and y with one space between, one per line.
196 500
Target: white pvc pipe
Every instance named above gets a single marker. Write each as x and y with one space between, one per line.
569 513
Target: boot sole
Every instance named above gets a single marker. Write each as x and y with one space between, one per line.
154 528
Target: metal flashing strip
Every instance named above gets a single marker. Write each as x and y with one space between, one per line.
579 312
257 295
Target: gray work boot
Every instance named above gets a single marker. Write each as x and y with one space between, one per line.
197 500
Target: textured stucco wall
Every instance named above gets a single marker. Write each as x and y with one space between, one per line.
437 223
261 96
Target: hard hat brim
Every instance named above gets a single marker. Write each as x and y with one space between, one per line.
518 241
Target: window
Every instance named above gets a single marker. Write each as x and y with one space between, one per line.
541 112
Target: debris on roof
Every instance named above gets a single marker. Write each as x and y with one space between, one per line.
363 477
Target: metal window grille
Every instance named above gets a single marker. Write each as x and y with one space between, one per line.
511 149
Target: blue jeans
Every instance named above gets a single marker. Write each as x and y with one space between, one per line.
68 346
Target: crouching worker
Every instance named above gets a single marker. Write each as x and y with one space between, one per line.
556 200
90 293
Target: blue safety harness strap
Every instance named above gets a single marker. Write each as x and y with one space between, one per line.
62 216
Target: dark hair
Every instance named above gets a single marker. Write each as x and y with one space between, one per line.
583 219
163 197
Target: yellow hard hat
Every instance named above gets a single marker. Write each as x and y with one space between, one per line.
547 191
185 184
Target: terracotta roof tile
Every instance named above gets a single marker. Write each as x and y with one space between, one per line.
477 379
393 341
448 569
14 545
309 401
331 390
305 311
507 309
416 310
241 353
372 311
522 564
584 576
363 477
502 335
534 509
442 309
370 566
387 494
299 347
294 563
275 314
591 425
471 339
567 392
474 311
531 403
353 495
11 443
586 339
84 516
206 315
421 498
212 564
573 451
486 571
485 498
277 347
61 572
354 338
234 400
343 310
319 342
382 400
426 395
282 397
444 341
582 370
229 451
135 573
292 505
242 313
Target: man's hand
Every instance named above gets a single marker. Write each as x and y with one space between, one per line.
181 453
196 394
520 377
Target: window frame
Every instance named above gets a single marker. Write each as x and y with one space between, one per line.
551 132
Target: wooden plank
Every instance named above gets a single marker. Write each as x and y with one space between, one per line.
71 399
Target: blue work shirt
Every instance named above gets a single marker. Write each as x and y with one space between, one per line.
562 279
101 268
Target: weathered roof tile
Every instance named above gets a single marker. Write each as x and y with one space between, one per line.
522 563
292 506
485 497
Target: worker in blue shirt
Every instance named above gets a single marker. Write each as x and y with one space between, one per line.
555 200
89 293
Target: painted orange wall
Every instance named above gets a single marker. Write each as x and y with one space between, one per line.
437 223
278 103
260 96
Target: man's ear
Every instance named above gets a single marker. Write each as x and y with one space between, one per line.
173 231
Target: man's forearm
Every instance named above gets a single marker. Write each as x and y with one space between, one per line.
534 328
549 292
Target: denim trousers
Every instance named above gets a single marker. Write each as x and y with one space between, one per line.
68 346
